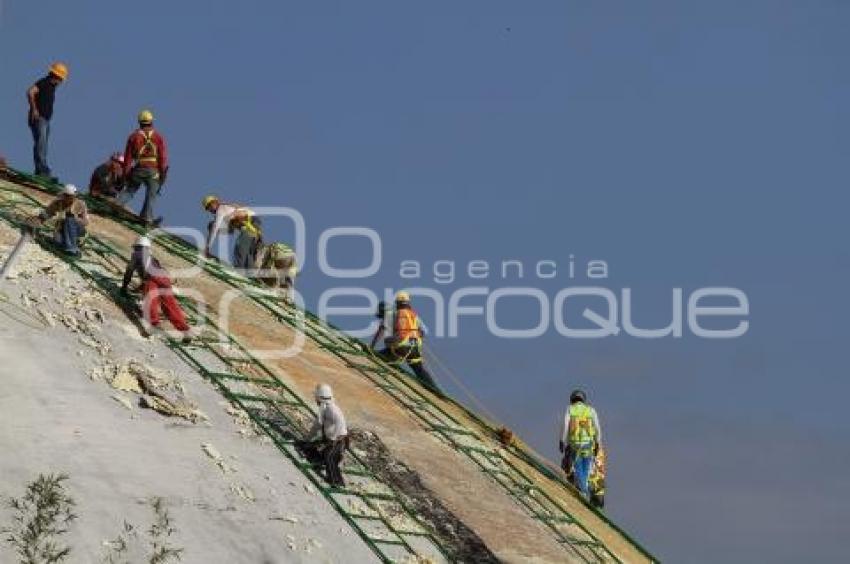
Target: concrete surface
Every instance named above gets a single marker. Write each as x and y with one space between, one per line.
56 418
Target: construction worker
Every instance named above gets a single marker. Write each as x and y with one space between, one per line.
239 218
145 162
404 345
107 180
278 267
579 441
156 289
41 96
327 439
72 225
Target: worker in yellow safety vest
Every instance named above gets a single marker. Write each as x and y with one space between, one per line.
579 441
404 345
235 218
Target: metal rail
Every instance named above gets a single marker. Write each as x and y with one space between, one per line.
372 508
489 457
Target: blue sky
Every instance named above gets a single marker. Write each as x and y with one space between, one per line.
687 144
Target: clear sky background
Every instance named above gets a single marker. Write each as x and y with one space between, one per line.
688 144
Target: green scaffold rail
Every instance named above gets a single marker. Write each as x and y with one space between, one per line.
372 508
397 383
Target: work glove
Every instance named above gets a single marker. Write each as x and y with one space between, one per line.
561 446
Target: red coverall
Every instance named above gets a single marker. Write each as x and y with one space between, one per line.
156 287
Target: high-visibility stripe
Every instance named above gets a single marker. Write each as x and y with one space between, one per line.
406 325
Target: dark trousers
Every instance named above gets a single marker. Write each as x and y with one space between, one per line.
328 454
150 178
40 129
413 358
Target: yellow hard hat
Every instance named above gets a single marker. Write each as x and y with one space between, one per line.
402 297
208 200
145 117
59 70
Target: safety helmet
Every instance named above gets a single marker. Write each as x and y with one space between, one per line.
59 70
142 242
145 117
209 199
578 395
402 297
324 392
117 158
69 190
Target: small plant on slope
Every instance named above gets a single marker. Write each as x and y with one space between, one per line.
40 518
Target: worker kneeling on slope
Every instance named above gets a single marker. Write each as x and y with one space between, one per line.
157 289
405 343
580 440
235 218
328 437
107 180
72 225
277 268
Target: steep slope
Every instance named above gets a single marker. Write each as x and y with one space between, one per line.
60 414
442 463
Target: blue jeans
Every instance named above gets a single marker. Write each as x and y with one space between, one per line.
40 129
150 178
69 235
582 465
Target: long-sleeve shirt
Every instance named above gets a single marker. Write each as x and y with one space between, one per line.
106 180
143 263
231 216
62 204
139 151
565 427
329 424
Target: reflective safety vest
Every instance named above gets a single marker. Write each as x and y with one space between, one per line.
148 154
242 218
582 433
406 326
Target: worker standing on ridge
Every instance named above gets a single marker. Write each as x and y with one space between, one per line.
156 289
41 96
236 218
327 439
579 441
405 342
278 267
75 218
145 162
107 180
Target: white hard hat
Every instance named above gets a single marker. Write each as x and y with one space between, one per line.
324 392
69 190
142 242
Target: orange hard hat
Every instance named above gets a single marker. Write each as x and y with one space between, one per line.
59 70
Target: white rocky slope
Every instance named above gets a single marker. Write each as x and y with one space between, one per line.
69 403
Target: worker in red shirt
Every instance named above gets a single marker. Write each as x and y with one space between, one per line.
145 162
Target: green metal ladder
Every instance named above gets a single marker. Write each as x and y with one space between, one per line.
487 455
372 508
